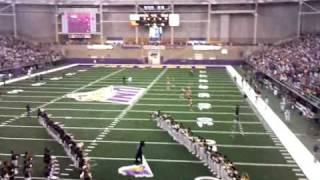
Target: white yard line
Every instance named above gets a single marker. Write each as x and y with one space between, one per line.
198 90
42 178
112 110
103 103
31 96
174 161
158 90
39 73
141 79
195 95
136 142
134 119
145 98
135 129
264 164
51 83
195 99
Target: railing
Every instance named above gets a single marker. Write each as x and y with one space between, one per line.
305 99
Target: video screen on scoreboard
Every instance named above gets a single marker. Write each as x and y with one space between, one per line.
155 32
79 22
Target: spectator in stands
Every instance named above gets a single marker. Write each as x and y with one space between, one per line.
295 63
16 53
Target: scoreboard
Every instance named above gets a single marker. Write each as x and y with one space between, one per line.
154 15
149 19
158 19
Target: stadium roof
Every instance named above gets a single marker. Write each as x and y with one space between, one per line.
128 2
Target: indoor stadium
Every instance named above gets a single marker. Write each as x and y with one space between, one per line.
160 89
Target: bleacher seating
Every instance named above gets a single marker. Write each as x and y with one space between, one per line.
295 63
17 53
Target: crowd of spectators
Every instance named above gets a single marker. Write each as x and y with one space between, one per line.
295 63
73 149
16 53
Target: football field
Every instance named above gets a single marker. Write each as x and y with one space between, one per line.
112 131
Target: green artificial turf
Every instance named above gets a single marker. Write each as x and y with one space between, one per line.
254 152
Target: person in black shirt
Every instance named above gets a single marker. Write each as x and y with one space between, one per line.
237 112
4 80
28 111
47 156
41 77
124 80
139 153
14 161
39 113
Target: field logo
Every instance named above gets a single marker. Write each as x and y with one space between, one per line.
203 95
71 74
38 84
138 171
113 94
203 86
202 121
203 81
15 91
55 78
203 106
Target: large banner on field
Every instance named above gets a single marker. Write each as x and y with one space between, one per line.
113 94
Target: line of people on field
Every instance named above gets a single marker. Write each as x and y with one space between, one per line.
73 149
206 150
10 169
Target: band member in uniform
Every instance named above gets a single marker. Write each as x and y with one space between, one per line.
236 113
14 162
183 92
245 176
124 80
191 72
169 83
316 152
28 111
237 123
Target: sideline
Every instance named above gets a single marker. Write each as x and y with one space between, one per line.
297 150
39 73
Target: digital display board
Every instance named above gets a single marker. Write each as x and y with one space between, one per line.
78 20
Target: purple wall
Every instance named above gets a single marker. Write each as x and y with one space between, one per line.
204 62
105 61
169 61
